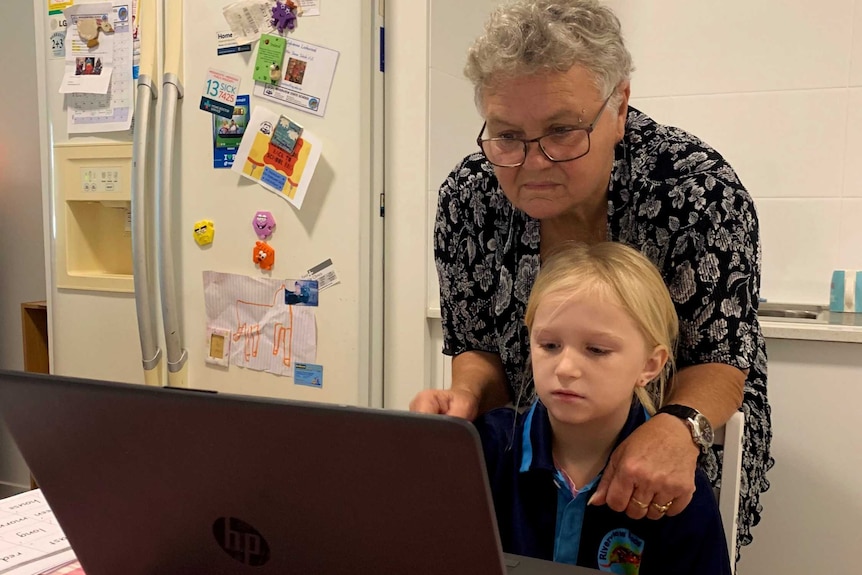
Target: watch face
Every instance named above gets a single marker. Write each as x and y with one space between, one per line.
705 429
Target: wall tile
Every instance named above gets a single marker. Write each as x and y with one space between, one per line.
850 244
852 167
799 240
782 144
454 25
453 124
660 109
684 47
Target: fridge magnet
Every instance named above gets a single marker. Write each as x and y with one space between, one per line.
301 292
284 16
88 31
285 174
263 255
220 93
270 55
226 43
286 133
204 232
263 224
308 74
308 374
218 347
57 38
227 134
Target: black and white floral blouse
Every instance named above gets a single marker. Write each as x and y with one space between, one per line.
676 200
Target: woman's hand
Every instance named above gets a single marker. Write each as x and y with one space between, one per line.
653 468
478 385
455 402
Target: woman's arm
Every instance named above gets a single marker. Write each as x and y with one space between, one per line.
464 271
478 385
637 469
710 262
714 389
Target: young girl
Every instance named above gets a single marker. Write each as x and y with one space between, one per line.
602 329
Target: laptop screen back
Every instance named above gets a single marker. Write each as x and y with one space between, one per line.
152 480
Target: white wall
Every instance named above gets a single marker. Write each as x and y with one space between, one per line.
775 89
22 260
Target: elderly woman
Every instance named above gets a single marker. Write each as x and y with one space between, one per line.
564 158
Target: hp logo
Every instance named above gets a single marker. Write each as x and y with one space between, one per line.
241 541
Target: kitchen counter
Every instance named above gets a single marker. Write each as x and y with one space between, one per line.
809 322
838 327
827 326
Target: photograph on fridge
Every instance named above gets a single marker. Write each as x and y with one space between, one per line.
302 292
227 133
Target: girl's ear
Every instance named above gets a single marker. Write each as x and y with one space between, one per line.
653 366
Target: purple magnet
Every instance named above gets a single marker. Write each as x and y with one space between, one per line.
284 16
263 224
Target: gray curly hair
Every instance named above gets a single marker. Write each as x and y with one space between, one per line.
528 36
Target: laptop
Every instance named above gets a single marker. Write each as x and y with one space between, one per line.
165 481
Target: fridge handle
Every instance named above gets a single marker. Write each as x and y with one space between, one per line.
142 256
172 91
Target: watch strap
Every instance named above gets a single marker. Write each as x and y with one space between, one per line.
681 411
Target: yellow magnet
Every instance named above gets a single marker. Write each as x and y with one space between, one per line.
204 232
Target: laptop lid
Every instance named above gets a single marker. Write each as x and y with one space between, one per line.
152 480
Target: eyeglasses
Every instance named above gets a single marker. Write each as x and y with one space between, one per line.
559 146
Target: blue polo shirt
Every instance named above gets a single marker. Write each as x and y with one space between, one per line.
539 516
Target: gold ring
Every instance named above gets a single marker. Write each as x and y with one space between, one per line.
662 508
640 504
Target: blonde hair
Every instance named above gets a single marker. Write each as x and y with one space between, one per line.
529 36
627 275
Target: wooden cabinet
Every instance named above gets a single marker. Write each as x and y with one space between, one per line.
34 329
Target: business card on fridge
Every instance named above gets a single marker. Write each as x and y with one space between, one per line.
220 93
227 44
309 374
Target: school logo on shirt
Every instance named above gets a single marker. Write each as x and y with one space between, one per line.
620 552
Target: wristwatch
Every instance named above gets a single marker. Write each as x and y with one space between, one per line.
698 424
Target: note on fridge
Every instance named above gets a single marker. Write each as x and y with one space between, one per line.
308 7
111 111
308 71
259 159
248 19
267 334
88 69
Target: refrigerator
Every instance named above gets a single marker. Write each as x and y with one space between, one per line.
124 209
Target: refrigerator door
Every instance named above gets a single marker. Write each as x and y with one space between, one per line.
93 323
93 330
339 219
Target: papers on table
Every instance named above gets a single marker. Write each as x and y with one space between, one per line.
31 540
